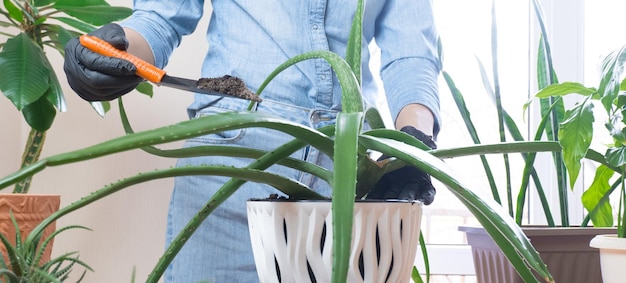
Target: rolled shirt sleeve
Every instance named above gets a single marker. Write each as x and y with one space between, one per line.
406 34
164 23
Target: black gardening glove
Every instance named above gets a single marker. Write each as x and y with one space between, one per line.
95 77
408 182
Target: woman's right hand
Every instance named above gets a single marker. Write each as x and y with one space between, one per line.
95 77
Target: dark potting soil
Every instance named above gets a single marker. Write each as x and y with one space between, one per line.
229 85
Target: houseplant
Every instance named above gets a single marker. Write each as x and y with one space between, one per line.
25 260
344 142
577 134
30 28
560 243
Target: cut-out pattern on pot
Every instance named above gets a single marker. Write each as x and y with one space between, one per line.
291 240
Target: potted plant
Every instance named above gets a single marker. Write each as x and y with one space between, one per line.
577 133
29 28
560 243
26 260
345 142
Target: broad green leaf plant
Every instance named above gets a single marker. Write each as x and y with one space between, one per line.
576 134
28 28
346 141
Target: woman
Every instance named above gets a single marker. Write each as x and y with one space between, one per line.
249 39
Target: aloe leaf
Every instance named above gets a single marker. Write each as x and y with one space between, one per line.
593 198
344 186
575 136
281 183
351 90
505 232
180 131
353 50
21 57
219 197
373 118
224 150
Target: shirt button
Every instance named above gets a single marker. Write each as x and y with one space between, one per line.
323 77
315 26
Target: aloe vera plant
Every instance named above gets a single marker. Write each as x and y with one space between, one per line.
23 262
346 141
29 81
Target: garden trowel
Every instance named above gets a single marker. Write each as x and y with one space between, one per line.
230 86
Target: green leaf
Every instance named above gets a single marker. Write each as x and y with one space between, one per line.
415 276
500 226
351 99
14 12
145 88
575 135
373 118
40 114
79 3
344 186
616 156
79 25
353 50
96 15
593 198
101 107
565 88
612 67
54 94
40 3
25 75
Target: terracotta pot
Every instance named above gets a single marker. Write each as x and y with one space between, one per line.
612 257
566 251
28 210
291 240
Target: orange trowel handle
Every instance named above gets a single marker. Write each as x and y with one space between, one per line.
144 69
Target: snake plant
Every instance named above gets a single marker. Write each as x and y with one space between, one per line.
346 142
29 27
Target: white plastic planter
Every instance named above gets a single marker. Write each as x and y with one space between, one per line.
612 257
291 240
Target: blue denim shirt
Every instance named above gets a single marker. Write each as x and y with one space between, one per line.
250 38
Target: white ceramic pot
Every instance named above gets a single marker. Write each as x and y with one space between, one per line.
612 257
291 240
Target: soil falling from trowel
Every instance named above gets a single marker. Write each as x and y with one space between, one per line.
229 85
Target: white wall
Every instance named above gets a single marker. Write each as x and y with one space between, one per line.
128 227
